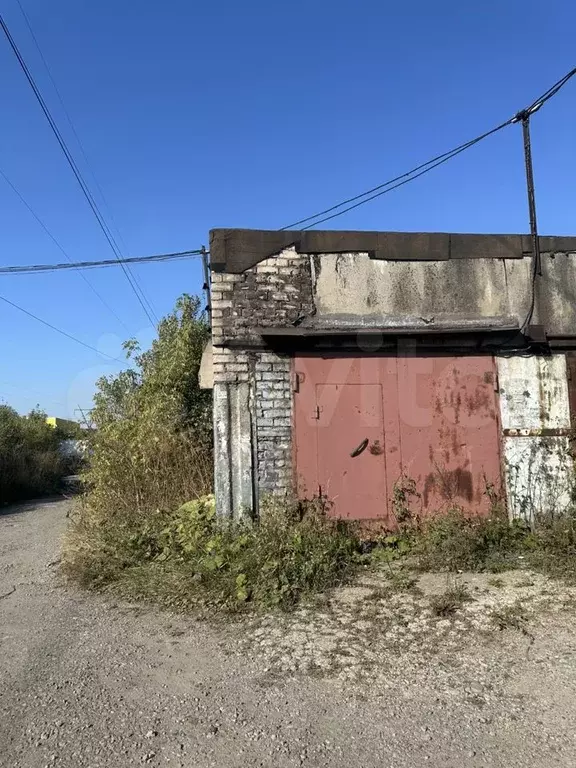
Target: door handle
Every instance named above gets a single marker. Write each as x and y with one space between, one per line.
362 447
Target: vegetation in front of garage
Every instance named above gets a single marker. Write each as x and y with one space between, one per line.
454 542
146 526
189 558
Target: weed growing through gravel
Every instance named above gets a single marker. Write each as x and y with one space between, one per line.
452 599
510 617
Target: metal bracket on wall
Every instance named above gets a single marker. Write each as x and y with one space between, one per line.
206 286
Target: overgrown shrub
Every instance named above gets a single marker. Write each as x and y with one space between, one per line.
32 463
136 530
152 445
551 547
192 558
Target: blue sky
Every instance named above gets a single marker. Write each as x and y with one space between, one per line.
199 115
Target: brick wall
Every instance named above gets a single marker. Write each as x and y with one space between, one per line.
276 292
273 405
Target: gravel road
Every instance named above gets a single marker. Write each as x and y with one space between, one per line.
86 682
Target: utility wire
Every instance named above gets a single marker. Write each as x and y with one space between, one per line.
60 247
420 170
26 269
71 162
58 330
67 115
438 160
412 175
541 100
80 145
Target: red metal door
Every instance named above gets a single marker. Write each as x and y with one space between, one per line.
449 430
350 449
430 420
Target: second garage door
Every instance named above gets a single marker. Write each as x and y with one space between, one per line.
365 426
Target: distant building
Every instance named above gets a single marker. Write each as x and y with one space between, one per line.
56 421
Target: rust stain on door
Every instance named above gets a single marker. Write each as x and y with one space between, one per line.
432 420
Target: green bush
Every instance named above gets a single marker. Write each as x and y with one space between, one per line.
551 547
31 461
136 531
192 558
152 447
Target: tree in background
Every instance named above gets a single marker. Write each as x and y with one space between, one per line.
152 447
31 460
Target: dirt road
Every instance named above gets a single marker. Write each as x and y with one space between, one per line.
86 682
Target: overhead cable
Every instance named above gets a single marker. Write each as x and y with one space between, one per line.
64 110
60 247
58 330
420 170
79 178
27 269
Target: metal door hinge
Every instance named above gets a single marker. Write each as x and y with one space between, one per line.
297 379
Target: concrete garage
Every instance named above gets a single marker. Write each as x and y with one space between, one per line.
357 364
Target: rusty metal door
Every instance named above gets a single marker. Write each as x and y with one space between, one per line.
366 426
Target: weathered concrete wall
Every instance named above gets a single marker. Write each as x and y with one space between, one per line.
277 291
349 286
233 478
535 418
252 428
353 289
206 372
355 285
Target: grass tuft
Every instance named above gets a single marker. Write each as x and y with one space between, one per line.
451 600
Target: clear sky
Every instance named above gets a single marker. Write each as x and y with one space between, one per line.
196 115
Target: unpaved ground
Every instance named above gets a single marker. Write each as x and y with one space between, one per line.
369 678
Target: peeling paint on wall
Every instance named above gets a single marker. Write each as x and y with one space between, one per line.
538 467
538 475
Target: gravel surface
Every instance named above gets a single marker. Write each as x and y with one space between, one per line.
369 678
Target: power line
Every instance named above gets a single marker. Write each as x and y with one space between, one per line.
25 269
438 160
541 100
411 175
71 162
58 330
66 113
60 247
420 170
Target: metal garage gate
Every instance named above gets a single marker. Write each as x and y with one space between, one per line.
367 425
